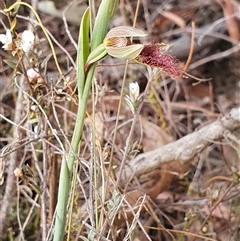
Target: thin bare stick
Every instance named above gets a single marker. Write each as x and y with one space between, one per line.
12 161
191 47
215 56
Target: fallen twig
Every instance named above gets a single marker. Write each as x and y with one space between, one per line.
183 150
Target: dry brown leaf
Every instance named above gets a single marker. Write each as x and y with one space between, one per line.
174 18
231 22
153 136
230 152
221 211
165 196
199 91
152 183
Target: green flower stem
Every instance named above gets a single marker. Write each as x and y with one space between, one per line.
84 82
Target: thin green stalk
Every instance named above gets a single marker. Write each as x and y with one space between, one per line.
74 187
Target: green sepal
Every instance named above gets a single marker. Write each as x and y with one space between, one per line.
97 54
125 31
127 52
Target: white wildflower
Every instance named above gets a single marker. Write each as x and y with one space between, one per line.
6 40
27 40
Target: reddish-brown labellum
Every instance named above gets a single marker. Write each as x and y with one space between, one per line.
154 55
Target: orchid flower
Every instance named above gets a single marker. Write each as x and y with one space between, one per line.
118 44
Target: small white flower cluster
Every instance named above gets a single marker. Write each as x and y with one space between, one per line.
25 39
34 76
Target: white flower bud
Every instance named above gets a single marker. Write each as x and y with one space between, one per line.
134 91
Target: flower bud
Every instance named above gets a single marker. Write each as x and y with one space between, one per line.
133 98
134 91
